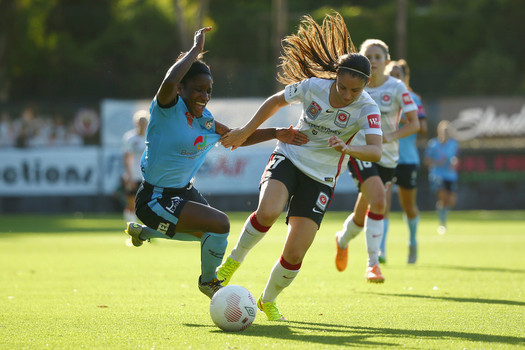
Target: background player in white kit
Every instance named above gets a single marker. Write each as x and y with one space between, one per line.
328 78
392 97
407 168
134 143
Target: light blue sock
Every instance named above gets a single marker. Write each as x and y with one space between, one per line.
213 246
382 246
148 233
442 215
412 228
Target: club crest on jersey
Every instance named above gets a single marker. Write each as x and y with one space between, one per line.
386 99
374 121
407 99
313 110
322 201
209 124
341 119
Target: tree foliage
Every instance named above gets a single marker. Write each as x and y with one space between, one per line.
93 49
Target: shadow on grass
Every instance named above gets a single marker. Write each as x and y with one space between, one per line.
472 268
323 333
13 225
304 332
461 300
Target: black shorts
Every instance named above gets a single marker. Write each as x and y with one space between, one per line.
437 183
159 208
306 197
361 171
406 176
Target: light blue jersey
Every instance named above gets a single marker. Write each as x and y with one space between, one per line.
176 144
408 153
441 154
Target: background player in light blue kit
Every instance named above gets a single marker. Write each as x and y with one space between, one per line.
405 176
180 134
441 157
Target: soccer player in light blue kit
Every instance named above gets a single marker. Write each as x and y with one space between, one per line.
180 134
441 157
405 176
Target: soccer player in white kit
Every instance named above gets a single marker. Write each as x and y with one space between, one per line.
133 144
328 78
392 97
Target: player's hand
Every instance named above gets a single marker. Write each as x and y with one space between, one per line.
234 138
291 136
199 38
337 144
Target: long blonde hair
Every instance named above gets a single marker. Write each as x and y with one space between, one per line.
320 51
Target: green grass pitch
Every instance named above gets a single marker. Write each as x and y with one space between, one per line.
70 282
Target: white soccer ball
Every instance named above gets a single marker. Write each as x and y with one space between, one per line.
233 308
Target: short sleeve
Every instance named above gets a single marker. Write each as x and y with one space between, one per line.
294 93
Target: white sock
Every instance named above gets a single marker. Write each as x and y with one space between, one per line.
374 233
251 234
280 278
350 231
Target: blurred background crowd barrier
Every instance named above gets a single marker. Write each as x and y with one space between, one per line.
85 176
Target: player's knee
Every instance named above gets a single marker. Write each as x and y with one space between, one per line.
221 223
266 217
378 205
293 257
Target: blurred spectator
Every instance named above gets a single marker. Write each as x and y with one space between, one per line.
7 133
32 130
134 143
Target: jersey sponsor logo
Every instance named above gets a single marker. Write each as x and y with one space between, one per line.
200 142
407 99
313 110
341 119
386 99
322 201
163 227
374 121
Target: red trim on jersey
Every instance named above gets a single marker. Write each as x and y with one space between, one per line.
375 216
266 169
340 164
256 225
355 169
289 266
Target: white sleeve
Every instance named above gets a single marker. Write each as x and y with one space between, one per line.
371 121
405 99
294 93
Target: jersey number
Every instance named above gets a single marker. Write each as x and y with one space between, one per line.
362 165
276 160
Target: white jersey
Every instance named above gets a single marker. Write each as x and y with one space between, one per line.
319 121
392 97
135 144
